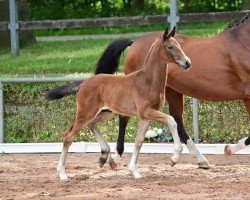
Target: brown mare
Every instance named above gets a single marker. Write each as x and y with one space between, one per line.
220 72
143 97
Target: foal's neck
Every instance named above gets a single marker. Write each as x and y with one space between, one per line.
155 67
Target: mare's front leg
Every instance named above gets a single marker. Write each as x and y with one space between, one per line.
242 144
175 101
142 129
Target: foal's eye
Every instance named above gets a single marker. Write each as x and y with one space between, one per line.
171 47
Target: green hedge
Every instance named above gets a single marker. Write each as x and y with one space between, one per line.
30 118
45 10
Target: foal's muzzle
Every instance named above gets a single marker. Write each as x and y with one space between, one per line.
187 64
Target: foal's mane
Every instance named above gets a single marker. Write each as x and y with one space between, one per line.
237 23
150 51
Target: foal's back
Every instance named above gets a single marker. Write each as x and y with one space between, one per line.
105 91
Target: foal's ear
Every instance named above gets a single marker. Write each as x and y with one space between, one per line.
167 35
172 33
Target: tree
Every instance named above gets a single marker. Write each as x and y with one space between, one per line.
138 3
26 36
247 5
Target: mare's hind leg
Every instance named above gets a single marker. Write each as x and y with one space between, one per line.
175 101
70 135
243 143
115 158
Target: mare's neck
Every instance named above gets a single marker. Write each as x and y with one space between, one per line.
155 66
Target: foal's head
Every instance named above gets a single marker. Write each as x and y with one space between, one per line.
173 51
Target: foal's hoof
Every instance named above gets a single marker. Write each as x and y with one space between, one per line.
227 151
172 163
102 161
63 177
204 165
113 165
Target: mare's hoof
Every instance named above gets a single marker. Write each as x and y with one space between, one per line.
204 165
227 151
113 165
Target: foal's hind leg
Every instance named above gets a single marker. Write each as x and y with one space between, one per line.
175 101
115 158
142 128
105 149
70 135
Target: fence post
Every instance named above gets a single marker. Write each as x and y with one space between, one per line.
173 19
13 26
1 114
196 120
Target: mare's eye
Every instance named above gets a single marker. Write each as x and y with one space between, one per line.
171 47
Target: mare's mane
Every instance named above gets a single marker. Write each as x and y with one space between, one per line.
237 23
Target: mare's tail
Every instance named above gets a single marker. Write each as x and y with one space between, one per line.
107 64
109 61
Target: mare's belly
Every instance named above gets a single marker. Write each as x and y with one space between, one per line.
207 84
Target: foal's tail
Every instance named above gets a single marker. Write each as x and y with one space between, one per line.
107 64
63 91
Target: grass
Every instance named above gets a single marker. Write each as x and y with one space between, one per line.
79 56
54 57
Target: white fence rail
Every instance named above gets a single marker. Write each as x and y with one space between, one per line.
93 147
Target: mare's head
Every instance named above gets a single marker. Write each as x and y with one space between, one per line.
173 52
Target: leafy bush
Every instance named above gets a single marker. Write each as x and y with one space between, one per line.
30 118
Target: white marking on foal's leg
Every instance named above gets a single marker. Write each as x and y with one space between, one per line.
143 127
229 149
202 161
132 165
114 160
61 165
105 149
177 143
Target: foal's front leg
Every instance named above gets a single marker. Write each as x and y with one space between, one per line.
142 129
156 115
176 107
